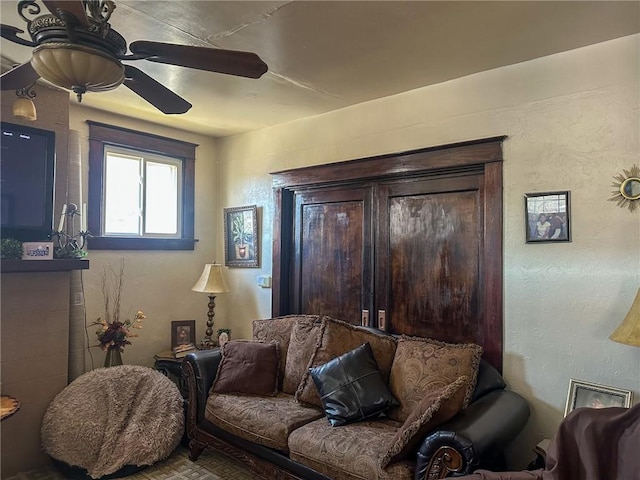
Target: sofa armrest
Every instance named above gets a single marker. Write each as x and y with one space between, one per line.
475 438
199 370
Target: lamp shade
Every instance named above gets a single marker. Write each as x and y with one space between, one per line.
24 108
628 332
211 280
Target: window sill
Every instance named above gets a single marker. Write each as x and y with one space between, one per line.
111 243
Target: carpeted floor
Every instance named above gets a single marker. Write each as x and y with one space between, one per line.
211 465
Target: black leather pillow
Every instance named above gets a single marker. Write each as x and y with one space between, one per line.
351 387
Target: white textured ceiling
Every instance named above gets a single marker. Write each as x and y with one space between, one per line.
324 56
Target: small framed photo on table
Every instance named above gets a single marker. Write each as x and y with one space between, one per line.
547 217
183 334
592 395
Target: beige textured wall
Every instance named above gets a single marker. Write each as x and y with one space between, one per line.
35 337
35 332
156 282
572 122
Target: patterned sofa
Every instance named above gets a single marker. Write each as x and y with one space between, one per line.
389 407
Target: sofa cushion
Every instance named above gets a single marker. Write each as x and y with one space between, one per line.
266 421
279 329
351 387
422 365
305 337
248 367
339 337
351 452
435 408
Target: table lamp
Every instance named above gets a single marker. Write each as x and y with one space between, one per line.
628 332
211 281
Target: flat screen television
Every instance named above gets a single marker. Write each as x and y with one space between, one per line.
27 179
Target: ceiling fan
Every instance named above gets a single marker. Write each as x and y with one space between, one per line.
76 49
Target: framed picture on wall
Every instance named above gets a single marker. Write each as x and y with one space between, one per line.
547 217
592 395
241 236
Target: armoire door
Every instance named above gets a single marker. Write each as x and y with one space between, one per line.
332 262
429 256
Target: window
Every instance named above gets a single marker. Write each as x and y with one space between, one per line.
141 190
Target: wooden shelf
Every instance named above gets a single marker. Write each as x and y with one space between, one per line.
26 266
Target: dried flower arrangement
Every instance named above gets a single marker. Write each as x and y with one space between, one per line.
114 333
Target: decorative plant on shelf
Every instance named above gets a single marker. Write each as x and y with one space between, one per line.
224 335
11 249
114 332
224 330
69 243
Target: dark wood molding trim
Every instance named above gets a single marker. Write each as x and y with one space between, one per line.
392 165
113 243
100 135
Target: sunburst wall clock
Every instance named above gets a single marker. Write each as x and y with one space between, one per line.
627 189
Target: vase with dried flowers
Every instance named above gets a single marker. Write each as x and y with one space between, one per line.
114 332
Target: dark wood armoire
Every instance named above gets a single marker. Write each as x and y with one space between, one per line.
408 242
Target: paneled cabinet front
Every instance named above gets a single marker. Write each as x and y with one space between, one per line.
413 253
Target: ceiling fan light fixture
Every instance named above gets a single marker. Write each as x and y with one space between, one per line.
24 108
77 67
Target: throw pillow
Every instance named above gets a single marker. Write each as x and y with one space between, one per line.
305 337
422 365
434 409
339 337
351 387
279 329
248 368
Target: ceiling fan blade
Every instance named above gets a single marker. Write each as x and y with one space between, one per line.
231 62
154 92
11 34
19 77
69 11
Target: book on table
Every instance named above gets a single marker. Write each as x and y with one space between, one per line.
182 350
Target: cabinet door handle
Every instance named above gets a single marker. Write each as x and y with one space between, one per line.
365 318
382 319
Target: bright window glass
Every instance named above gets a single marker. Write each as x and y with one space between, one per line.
141 194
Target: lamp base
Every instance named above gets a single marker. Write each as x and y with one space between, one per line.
207 343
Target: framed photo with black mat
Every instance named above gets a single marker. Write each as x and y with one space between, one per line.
547 217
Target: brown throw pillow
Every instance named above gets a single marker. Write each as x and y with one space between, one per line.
279 329
339 337
434 409
422 365
248 368
305 337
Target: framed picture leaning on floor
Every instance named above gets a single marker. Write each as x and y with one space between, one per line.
592 395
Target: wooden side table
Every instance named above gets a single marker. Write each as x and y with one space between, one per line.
8 406
541 454
171 366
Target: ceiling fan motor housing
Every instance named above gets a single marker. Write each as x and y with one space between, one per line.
78 59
